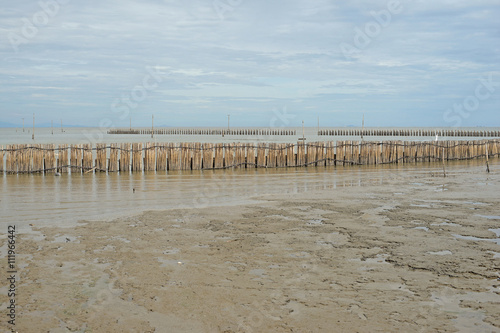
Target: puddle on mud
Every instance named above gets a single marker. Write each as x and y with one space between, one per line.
171 251
490 217
258 272
279 216
378 259
472 238
446 224
496 231
468 319
441 253
65 239
315 222
169 262
496 255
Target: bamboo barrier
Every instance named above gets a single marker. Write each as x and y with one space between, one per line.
208 156
320 154
301 154
197 156
205 131
310 156
24 154
23 158
101 157
50 157
291 156
340 153
75 159
63 159
161 157
409 132
282 157
136 156
363 153
329 153
250 158
219 156
366 132
271 158
125 157
240 155
113 157
261 155
186 149
229 150
149 157
10 151
348 158
87 157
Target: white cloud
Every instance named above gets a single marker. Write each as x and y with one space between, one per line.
260 55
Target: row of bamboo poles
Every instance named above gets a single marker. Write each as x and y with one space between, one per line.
410 132
205 131
325 132
24 158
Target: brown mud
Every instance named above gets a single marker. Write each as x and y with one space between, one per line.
419 253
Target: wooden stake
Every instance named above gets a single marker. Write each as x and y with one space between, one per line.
487 164
444 171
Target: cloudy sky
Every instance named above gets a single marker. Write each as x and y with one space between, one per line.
266 63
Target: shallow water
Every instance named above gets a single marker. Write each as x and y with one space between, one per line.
46 200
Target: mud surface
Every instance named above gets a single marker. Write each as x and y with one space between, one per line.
419 253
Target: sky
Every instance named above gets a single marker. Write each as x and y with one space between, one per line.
263 63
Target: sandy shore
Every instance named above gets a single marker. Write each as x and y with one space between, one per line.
418 253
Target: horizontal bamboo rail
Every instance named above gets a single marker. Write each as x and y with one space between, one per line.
410 132
138 157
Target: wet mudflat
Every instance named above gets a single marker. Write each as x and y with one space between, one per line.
413 252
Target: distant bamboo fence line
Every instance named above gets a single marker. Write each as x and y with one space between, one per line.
325 132
205 131
410 132
138 157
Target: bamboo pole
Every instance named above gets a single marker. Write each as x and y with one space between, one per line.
487 164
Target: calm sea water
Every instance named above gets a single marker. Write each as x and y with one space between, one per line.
64 200
77 135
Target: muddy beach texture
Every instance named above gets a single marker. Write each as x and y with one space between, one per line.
418 253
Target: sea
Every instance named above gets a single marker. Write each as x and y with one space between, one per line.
77 135
45 199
